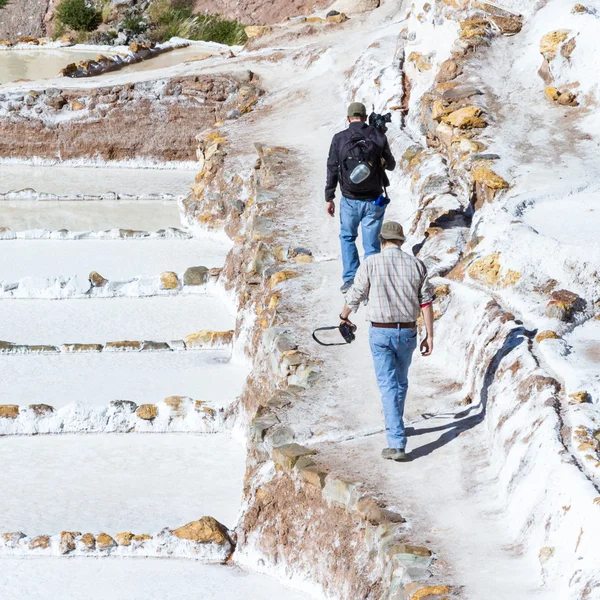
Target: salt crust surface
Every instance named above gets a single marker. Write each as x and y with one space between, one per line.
113 259
142 377
113 483
88 179
134 579
98 320
146 215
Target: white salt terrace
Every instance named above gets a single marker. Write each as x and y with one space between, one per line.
116 483
145 215
98 320
135 579
141 377
63 180
113 259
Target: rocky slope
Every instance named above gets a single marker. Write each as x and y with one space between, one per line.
24 18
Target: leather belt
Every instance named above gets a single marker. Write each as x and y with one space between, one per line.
410 325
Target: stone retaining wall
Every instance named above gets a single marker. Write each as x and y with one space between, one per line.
205 540
175 414
200 340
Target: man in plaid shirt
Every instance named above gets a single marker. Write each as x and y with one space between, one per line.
397 289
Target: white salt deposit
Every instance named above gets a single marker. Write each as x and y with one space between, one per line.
97 379
146 215
60 179
112 319
113 483
113 259
134 579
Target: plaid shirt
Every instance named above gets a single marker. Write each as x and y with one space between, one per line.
395 284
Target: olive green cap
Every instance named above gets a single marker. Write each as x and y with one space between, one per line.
391 230
357 109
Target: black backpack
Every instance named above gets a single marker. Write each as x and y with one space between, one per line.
360 148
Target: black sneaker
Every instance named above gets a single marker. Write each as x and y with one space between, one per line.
397 454
347 285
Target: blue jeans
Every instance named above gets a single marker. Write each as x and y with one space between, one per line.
370 217
392 351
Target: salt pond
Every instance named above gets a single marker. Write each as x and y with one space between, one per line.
134 579
98 320
113 259
147 215
38 64
140 483
142 377
61 179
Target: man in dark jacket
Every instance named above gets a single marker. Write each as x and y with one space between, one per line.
357 159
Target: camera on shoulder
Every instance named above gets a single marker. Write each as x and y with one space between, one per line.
379 121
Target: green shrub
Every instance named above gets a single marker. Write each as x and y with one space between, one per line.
175 18
212 28
3 3
78 15
134 24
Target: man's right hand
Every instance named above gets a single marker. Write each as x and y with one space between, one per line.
331 208
426 347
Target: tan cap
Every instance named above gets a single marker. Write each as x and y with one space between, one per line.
391 230
357 109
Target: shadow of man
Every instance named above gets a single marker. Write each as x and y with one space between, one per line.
467 421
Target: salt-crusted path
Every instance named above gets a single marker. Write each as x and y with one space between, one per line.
448 492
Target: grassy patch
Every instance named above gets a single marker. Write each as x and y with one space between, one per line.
175 18
78 15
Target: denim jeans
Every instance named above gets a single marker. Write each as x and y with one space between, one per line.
392 351
370 217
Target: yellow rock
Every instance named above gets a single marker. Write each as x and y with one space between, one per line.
341 18
314 20
442 290
169 280
578 8
580 397
567 99
546 335
550 42
463 144
207 337
486 270
175 402
465 118
124 538
67 541
439 110
142 537
487 177
472 31
421 61
96 279
510 278
303 258
9 411
255 31
198 57
204 531
41 542
430 590
88 541
76 105
105 541
552 93
148 412
280 276
273 302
